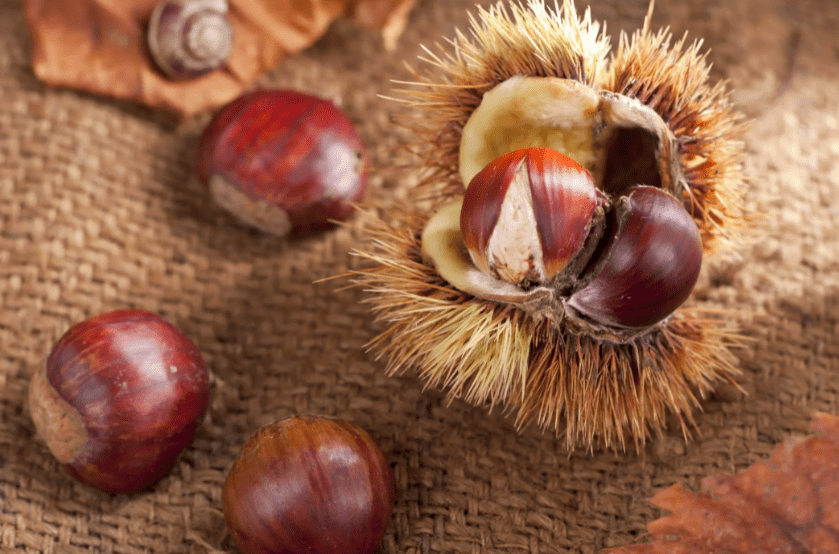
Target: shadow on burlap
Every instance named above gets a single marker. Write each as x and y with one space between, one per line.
100 211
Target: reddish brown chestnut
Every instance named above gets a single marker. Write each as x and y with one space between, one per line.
119 397
283 161
527 214
310 485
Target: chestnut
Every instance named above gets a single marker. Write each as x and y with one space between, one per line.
650 263
527 214
118 398
308 484
283 161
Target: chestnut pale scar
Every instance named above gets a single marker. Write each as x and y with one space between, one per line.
253 211
58 423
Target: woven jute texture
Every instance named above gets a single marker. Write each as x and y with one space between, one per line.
100 211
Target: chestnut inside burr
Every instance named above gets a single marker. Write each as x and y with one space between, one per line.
637 265
647 265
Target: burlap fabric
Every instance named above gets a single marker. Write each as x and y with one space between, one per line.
99 211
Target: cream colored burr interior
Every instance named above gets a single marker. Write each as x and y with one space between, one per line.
443 248
526 112
620 141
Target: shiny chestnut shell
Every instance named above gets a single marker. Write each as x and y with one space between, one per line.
284 161
555 200
119 397
648 265
308 485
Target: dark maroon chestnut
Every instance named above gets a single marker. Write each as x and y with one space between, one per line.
312 485
119 397
649 265
283 161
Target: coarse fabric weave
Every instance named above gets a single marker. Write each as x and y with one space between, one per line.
100 211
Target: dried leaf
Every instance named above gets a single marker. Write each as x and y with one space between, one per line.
100 45
788 505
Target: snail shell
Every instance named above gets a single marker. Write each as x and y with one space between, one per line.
188 38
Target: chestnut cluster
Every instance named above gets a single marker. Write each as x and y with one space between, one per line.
540 234
122 394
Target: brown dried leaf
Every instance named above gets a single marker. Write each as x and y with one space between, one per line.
788 505
99 45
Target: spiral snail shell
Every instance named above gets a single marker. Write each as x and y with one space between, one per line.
188 38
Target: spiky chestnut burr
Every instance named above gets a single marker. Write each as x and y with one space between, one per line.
529 76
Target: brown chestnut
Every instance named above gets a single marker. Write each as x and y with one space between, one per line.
312 485
649 264
283 161
527 214
119 397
